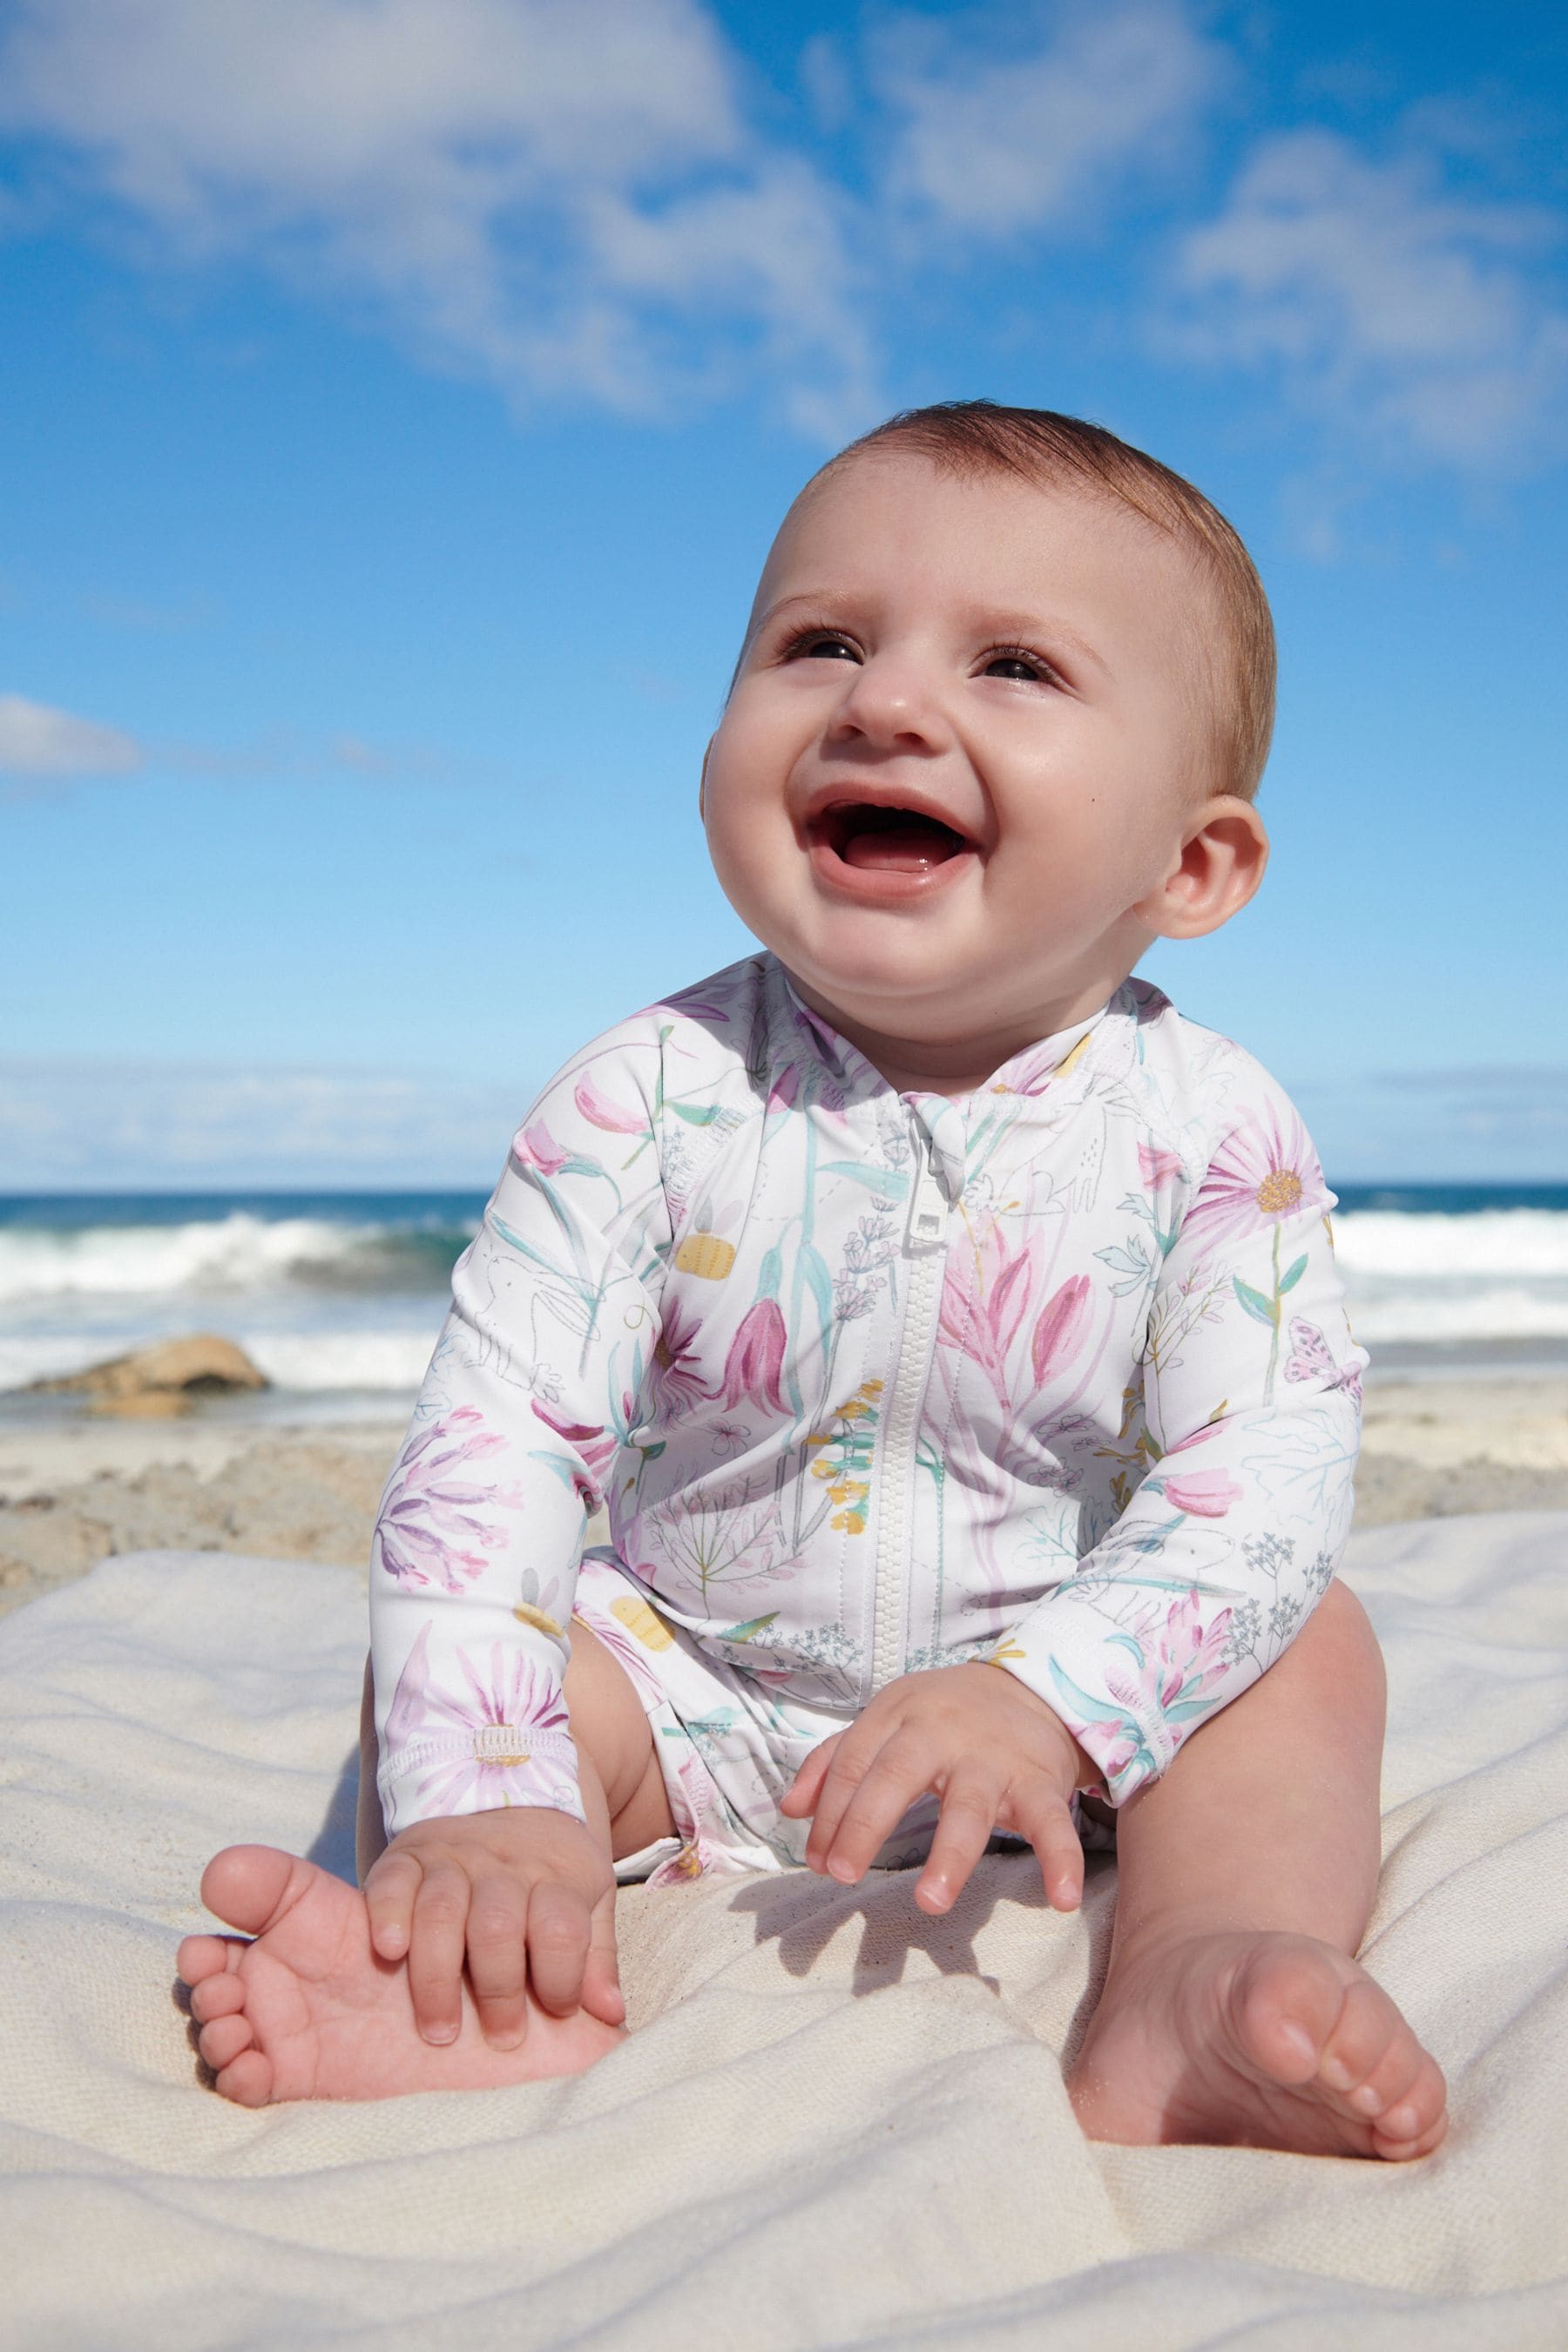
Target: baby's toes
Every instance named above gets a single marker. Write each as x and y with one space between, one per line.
247 2080
204 1955
217 1997
1418 2118
1368 2032
1390 2079
221 2041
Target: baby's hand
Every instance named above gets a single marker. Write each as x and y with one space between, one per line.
526 1891
994 1754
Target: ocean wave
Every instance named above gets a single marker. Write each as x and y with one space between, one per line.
1527 1244
227 1255
1437 1317
343 1360
330 1304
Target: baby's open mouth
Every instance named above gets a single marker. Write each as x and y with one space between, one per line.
895 840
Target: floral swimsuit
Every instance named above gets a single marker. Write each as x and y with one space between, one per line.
1056 1374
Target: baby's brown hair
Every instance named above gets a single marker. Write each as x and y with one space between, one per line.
979 436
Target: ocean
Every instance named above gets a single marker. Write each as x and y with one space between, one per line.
338 1295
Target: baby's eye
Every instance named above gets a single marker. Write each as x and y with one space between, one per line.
1028 668
821 644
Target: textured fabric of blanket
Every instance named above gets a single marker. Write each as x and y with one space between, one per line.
836 2123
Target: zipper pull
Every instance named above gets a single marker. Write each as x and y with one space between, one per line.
927 1228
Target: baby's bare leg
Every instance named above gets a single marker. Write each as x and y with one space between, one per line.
307 2010
1234 2010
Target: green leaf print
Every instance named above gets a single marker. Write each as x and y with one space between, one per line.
891 1183
754 1625
1288 1281
1260 1308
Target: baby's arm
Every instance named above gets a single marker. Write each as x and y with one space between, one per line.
533 1389
1252 1393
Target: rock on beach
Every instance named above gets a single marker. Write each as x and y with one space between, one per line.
159 1382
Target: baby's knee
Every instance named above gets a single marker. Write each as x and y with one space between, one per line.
1338 1640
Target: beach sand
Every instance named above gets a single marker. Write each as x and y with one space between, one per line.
75 1489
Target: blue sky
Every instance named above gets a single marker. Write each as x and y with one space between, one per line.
397 401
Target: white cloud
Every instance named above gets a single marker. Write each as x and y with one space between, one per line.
525 189
68 1122
1384 300
1033 135
41 745
570 198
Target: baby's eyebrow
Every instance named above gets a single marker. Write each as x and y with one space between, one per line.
995 622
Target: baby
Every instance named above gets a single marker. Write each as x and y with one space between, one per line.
951 1333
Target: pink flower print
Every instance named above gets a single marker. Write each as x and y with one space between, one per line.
1157 1168
755 1360
428 1513
535 1147
674 1381
1264 1171
984 1301
1060 1327
1189 1656
593 1443
1114 1741
1180 1657
509 1717
784 1087
602 1112
1206 1494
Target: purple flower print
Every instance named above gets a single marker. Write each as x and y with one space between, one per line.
507 1716
427 1514
602 1112
674 1379
406 1713
1264 1171
1060 1328
755 1360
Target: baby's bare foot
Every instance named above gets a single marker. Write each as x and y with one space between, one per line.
307 2012
1254 2041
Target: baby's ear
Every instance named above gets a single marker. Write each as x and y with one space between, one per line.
702 780
1224 853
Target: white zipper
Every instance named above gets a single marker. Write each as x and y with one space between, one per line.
925 1245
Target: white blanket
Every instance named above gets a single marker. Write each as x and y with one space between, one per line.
836 2123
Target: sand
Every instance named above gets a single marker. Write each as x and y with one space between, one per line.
75 1489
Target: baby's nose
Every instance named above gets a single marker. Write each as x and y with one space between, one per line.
889 701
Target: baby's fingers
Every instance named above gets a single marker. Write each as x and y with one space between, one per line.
860 1805
1045 1819
962 1833
437 1945
558 1926
498 1960
601 1994
390 1886
801 1794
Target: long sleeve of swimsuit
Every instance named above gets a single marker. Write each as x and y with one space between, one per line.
534 1389
1239 1450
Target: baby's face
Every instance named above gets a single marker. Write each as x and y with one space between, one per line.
966 742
